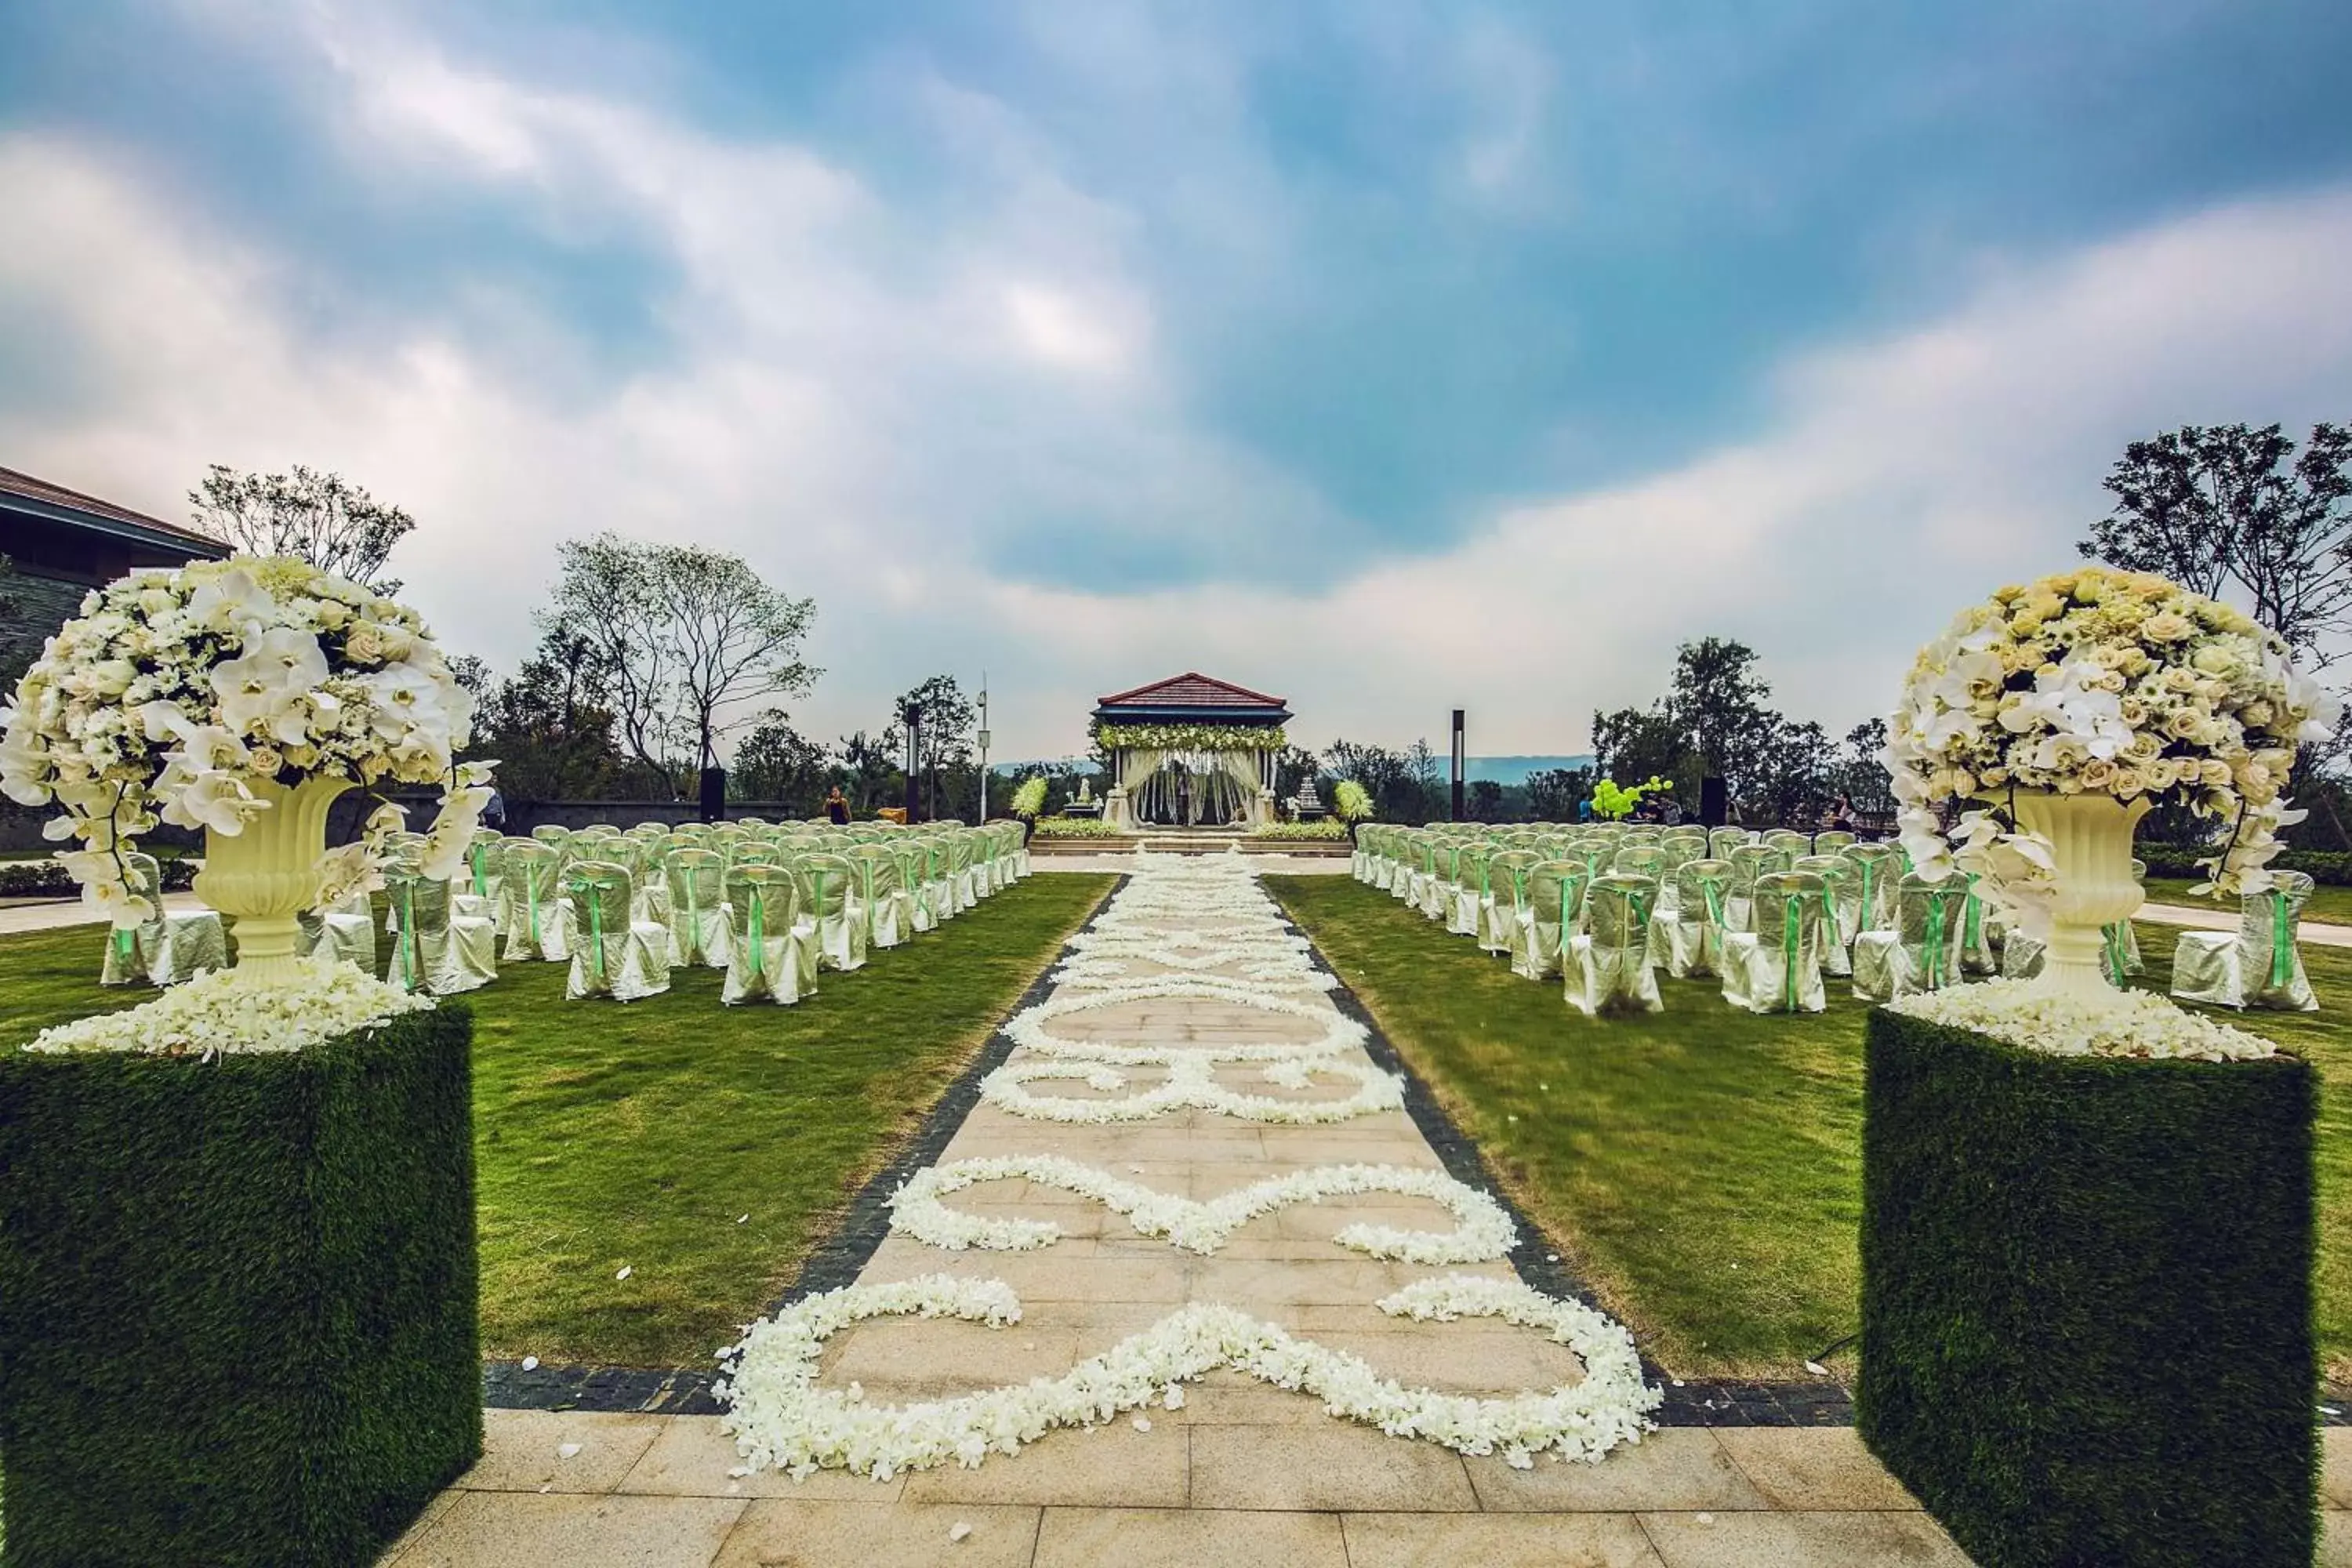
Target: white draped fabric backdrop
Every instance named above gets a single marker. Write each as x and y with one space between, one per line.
1224 785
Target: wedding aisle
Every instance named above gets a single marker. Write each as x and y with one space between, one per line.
1188 1196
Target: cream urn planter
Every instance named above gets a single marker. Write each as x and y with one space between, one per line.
2090 843
263 877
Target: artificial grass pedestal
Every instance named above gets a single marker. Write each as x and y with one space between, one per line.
238 1298
2086 1311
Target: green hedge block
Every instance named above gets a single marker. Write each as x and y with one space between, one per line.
237 1300
2086 1312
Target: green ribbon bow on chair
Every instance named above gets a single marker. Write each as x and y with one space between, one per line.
1792 936
531 906
408 932
1932 950
1972 920
1711 890
595 886
756 923
2281 939
481 886
2111 953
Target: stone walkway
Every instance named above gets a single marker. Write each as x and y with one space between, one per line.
1243 1473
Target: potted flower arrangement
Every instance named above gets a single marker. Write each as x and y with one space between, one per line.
237 1263
2088 1214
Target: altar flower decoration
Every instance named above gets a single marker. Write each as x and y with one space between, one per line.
2098 683
1193 737
183 695
1350 802
1029 799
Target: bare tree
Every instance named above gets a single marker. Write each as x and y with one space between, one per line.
323 519
689 637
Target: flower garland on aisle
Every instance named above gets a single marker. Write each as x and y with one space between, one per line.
1484 1231
781 1419
1190 1086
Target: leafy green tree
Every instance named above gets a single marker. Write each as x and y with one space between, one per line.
322 518
2216 507
775 761
867 769
947 730
550 725
1553 794
1485 801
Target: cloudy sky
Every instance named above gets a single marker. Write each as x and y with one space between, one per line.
1390 356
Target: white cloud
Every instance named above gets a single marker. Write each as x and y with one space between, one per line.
873 411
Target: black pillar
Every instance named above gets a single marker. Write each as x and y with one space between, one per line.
914 761
1711 802
714 794
1460 763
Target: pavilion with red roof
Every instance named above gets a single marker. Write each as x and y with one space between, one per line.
1191 750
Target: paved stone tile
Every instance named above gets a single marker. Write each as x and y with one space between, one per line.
1192 1538
2335 1539
1677 1468
787 1534
522 1450
2336 1467
1454 1358
1497 1541
692 1457
496 1529
1813 1540
1333 1465
1813 1468
1112 1466
960 1355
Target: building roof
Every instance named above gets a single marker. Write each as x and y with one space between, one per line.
39 498
1191 698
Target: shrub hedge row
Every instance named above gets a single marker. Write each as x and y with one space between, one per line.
2087 1315
238 1298
2331 867
47 880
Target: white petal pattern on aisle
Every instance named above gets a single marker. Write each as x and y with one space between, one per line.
1188 917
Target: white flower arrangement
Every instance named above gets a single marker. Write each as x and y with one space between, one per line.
2118 1024
229 1010
172 690
1484 1231
2096 681
783 1420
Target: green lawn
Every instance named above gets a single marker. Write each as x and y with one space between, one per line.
2333 905
639 1135
1702 1166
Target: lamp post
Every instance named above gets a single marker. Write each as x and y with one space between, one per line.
914 755
984 746
1460 761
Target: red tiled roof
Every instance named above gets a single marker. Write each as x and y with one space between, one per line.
13 483
1190 690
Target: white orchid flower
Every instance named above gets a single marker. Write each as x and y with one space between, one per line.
215 801
277 670
232 601
407 702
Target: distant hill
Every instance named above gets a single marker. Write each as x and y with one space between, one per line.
1515 770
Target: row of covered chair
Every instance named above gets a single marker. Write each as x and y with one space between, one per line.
1604 907
770 906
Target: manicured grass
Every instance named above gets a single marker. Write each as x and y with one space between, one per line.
1702 1166
704 1148
2330 904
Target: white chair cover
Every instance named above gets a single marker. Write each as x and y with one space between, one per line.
485 869
614 953
1607 969
698 927
1503 899
176 945
1749 862
1836 873
1870 906
1692 939
1777 966
883 894
531 890
1555 910
1465 900
2259 964
345 932
834 905
1923 952
435 950
762 952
